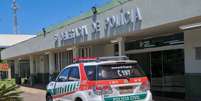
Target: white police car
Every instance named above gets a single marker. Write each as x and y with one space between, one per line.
100 79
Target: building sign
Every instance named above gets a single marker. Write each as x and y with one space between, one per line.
104 27
4 67
175 39
123 18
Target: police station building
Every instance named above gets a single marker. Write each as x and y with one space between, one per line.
164 36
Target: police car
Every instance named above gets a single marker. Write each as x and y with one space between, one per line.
100 79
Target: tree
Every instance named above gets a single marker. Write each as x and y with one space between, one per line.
10 93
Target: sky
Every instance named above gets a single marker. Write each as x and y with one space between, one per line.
33 15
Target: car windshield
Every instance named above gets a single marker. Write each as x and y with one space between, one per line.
113 71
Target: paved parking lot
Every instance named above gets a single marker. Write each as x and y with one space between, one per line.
33 97
31 94
166 99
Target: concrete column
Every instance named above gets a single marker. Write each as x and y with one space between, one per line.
192 64
31 59
17 71
51 65
9 73
32 72
9 70
41 75
42 64
16 66
121 46
75 51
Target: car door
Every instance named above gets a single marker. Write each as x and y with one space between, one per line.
67 83
73 82
61 81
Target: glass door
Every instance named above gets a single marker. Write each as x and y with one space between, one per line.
173 63
143 60
156 68
165 70
167 73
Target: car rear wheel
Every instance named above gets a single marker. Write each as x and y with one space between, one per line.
49 98
78 99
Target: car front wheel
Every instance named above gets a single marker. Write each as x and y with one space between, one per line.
78 99
49 98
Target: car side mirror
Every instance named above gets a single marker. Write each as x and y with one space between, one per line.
52 78
61 80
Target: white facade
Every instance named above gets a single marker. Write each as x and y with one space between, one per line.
150 20
192 41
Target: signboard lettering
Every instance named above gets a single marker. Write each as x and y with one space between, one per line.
132 16
4 67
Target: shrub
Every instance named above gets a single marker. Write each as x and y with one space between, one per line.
9 92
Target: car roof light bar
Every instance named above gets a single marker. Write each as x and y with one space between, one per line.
98 59
84 59
112 58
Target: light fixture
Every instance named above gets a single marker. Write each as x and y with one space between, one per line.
114 41
94 10
70 48
46 53
44 31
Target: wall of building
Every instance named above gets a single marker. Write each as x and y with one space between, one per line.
192 39
154 13
103 50
30 46
39 69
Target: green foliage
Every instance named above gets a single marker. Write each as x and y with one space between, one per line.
7 82
9 92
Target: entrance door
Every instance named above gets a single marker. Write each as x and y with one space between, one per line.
156 67
173 64
165 70
144 61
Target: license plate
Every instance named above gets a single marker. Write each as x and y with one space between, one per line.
126 98
126 90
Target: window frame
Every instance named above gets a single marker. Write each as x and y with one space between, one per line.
57 79
198 53
71 71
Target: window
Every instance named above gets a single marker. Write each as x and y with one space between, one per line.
85 51
63 75
198 53
119 71
91 72
113 71
74 74
63 59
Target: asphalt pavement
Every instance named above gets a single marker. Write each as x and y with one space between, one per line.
33 97
32 94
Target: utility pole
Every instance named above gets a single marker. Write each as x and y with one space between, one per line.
15 24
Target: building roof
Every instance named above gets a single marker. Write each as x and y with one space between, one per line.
7 40
191 26
101 9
